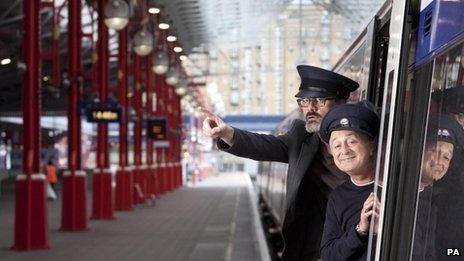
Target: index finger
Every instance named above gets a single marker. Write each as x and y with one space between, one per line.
207 113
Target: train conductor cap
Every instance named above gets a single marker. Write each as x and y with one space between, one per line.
319 83
445 128
360 117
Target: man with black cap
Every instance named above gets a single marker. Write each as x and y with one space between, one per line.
351 130
311 173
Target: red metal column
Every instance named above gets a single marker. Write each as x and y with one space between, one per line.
74 211
161 152
171 135
179 142
165 151
124 176
144 179
159 179
138 178
53 55
175 136
175 140
31 228
102 190
181 119
175 158
150 174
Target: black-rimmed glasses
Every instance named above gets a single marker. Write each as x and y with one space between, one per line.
315 102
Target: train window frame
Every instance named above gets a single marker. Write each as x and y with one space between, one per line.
439 81
401 206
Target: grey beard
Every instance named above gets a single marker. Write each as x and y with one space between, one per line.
312 129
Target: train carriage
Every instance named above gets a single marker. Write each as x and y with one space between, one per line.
409 63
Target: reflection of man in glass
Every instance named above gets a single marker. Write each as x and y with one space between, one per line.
444 138
448 192
437 158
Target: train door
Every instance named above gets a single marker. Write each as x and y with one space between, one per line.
388 90
420 148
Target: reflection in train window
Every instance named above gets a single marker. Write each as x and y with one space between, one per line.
440 209
353 69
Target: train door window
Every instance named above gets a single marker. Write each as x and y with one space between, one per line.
439 226
354 69
379 64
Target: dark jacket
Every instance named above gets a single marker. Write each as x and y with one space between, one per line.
340 240
448 195
424 232
301 230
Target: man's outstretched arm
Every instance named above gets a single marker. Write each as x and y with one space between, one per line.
241 143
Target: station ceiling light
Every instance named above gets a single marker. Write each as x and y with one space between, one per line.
172 76
154 10
5 61
181 91
116 14
183 57
160 63
177 49
182 87
163 26
143 42
171 38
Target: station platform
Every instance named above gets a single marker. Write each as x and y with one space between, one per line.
212 220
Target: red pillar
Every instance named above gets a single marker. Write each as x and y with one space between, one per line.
158 171
74 211
31 228
171 137
139 178
102 197
164 151
179 142
124 176
150 173
175 139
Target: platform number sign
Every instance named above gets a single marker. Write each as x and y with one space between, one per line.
102 114
157 129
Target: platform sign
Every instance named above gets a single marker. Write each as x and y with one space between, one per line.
157 129
101 114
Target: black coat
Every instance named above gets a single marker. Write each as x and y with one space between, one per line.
298 148
448 195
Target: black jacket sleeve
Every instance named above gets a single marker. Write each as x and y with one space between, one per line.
336 244
260 147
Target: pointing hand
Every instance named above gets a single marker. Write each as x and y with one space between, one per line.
215 127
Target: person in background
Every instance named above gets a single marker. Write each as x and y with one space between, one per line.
311 173
51 174
351 131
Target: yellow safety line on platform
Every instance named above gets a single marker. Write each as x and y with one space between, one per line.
230 245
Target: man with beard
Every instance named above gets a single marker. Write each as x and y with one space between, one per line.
312 174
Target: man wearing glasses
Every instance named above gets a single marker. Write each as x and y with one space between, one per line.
312 174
